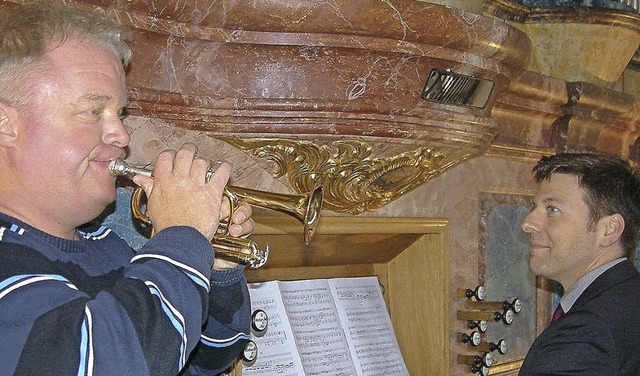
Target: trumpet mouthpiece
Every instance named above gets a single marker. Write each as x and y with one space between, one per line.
118 167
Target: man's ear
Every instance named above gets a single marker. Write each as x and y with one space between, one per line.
8 119
612 227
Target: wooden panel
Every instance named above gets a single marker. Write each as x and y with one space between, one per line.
334 249
288 274
418 291
339 240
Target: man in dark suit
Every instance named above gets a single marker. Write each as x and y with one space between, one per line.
584 233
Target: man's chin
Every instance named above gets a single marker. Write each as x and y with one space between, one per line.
102 202
535 265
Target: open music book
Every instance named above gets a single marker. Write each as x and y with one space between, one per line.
336 326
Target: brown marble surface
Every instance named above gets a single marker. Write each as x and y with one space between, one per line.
540 114
314 70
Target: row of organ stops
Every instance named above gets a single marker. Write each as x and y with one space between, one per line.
259 324
477 314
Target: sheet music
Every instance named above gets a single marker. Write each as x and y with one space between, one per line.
337 327
277 352
368 327
316 326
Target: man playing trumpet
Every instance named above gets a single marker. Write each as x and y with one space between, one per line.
77 300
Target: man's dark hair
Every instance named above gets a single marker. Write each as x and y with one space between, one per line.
610 186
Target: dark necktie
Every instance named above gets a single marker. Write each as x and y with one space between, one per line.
559 312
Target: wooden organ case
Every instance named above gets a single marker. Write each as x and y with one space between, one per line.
409 256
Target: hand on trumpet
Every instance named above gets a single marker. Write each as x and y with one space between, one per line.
241 225
179 194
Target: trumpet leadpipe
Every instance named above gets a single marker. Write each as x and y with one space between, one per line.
118 167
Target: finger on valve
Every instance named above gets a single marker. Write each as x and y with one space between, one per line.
242 224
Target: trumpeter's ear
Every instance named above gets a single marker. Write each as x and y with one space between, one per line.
611 230
8 122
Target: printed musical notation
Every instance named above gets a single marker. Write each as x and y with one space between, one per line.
277 352
318 327
368 327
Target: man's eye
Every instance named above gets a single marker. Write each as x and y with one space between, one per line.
95 112
122 114
552 209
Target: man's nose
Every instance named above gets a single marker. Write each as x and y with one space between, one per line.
116 133
530 224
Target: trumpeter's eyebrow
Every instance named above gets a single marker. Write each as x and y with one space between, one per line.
97 98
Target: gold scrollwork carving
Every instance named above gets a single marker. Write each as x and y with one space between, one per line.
353 180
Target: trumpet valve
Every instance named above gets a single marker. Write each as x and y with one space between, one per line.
261 257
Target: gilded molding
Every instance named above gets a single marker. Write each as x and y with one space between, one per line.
353 180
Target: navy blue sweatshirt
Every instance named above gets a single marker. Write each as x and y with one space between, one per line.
95 307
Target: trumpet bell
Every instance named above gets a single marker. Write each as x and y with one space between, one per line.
304 207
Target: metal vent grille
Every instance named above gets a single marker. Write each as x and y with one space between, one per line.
444 86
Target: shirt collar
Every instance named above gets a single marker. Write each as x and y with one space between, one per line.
574 291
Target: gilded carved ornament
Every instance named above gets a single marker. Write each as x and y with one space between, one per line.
353 180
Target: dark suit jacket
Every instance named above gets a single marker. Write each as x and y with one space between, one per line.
600 335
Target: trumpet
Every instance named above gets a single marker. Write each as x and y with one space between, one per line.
304 207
